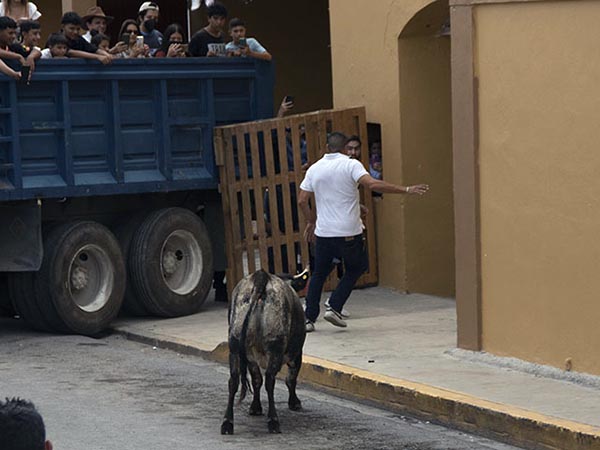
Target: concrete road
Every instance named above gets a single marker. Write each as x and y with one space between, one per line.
119 395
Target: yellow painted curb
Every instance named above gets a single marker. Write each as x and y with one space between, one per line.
502 422
499 421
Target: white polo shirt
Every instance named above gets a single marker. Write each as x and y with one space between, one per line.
334 181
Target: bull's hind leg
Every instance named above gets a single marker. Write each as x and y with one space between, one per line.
294 402
257 381
273 368
234 381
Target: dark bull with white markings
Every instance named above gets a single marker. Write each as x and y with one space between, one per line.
266 329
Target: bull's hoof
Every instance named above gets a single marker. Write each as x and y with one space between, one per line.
227 427
274 426
295 405
256 410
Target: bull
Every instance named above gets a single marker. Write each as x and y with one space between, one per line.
266 330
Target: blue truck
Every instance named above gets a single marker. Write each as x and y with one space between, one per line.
106 174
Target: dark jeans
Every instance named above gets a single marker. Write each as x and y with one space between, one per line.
352 251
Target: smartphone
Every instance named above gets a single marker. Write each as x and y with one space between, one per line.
139 41
184 48
125 38
242 42
288 99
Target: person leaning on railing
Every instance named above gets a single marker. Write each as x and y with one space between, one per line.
172 46
8 33
26 52
78 46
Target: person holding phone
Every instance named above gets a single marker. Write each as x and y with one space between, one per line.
243 46
129 34
148 17
172 46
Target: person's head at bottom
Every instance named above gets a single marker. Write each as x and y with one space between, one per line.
22 426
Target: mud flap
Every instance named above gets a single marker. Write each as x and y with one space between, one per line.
21 248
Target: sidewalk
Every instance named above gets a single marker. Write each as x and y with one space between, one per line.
399 350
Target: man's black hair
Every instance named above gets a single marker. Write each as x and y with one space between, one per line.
27 25
354 137
71 18
56 39
21 426
98 38
7 22
216 9
235 22
336 141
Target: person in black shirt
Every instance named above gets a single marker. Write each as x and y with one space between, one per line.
78 46
211 34
27 51
8 34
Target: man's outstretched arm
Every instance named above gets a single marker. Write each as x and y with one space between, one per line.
384 187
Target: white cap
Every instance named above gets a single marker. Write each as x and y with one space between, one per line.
148 6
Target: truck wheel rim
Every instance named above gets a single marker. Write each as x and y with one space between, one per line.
181 262
91 278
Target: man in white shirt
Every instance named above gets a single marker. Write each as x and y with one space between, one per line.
337 228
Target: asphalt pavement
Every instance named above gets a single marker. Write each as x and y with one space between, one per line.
400 350
114 394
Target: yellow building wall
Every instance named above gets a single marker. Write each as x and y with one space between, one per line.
402 75
52 11
538 67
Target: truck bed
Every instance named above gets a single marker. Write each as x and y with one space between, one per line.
83 129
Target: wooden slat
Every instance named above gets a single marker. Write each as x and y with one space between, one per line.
274 213
285 187
296 123
245 195
258 194
218 143
236 263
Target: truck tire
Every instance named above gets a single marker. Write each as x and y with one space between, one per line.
81 283
21 291
170 263
124 231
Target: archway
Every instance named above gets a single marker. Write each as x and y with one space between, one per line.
426 140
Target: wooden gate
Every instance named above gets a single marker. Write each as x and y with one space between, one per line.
261 166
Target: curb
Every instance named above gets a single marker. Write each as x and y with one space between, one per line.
497 421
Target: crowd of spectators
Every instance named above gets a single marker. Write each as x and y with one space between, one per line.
87 37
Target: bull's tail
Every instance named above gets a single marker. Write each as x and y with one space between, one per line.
259 290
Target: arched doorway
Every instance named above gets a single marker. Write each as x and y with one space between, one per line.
426 139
